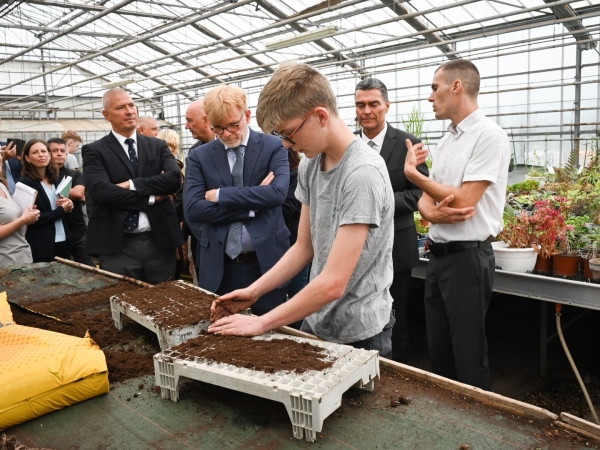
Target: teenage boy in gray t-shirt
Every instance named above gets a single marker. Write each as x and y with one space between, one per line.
346 224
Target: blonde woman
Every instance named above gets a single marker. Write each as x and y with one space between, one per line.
172 139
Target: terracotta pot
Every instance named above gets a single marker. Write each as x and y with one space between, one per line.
595 269
543 265
565 265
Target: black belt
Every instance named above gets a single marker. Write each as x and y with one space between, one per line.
445 248
246 257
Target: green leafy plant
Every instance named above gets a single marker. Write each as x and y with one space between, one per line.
524 187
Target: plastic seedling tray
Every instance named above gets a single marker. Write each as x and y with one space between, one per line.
166 337
309 397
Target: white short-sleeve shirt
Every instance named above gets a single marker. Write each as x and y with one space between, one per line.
477 149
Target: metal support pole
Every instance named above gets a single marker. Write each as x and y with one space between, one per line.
577 105
543 339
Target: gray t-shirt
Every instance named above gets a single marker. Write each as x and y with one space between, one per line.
356 190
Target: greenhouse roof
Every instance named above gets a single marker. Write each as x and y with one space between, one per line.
63 49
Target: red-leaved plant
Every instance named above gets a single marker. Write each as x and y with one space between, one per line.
544 228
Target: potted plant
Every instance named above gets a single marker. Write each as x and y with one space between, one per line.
550 228
514 252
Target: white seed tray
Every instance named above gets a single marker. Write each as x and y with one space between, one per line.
309 397
166 338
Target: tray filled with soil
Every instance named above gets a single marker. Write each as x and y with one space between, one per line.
307 376
175 311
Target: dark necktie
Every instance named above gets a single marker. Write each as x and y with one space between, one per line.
233 245
371 144
133 217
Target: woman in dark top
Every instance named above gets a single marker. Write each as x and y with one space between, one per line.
291 214
48 237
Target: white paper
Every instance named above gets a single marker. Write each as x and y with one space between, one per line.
24 196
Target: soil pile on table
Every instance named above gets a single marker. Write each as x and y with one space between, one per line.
128 352
268 356
171 305
12 443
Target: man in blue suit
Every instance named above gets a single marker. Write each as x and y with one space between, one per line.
236 185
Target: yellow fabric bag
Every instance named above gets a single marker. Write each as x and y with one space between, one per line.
42 371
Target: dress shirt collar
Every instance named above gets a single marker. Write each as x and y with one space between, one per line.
244 142
122 138
377 139
466 123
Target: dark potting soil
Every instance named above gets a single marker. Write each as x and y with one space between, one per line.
12 443
171 305
257 354
128 352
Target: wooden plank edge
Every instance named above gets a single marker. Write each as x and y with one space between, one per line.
100 271
578 422
574 429
490 398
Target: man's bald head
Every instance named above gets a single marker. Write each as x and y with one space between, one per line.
148 126
197 122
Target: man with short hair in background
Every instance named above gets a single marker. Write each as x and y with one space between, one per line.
133 226
464 200
73 141
372 104
76 219
148 126
197 122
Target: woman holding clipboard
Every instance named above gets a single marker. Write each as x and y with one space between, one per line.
14 249
49 236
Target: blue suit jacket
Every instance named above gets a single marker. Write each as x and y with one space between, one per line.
208 168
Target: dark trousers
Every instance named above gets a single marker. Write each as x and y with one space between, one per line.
458 289
78 252
399 292
240 275
141 258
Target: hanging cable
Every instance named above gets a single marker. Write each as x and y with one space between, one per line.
579 380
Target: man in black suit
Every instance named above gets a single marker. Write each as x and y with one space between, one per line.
372 104
133 226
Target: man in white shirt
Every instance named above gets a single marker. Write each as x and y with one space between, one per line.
463 199
133 226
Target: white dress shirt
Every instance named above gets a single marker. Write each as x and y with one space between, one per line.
378 140
143 222
477 149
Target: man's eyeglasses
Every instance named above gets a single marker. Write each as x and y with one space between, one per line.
289 138
232 128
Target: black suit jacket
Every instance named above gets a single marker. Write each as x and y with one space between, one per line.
406 195
41 234
105 164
